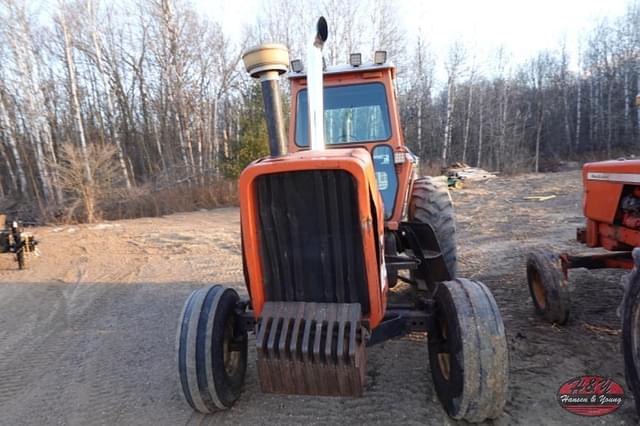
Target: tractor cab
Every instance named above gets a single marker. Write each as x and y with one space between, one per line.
360 110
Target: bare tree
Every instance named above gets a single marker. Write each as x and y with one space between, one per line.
579 84
80 191
97 50
72 84
457 55
468 112
538 76
564 88
27 88
481 107
7 129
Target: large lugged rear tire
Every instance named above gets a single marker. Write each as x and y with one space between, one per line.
431 203
631 330
549 289
211 349
468 351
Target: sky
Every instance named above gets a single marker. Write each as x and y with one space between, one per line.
522 27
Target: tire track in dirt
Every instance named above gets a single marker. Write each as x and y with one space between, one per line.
23 362
103 373
72 311
103 388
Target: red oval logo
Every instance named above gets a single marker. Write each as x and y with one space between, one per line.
591 396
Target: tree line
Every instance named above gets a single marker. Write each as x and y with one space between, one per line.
105 100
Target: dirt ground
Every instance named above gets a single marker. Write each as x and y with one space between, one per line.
87 333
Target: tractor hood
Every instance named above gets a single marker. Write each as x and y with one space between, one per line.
611 171
303 216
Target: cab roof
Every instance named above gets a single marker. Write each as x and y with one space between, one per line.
344 69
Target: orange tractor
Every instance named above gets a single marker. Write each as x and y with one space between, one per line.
328 221
612 209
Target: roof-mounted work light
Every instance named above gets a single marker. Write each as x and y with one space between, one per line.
380 57
355 59
296 65
399 157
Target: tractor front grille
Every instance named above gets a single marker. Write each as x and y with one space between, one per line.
310 238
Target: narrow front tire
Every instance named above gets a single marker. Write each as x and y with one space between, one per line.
211 349
468 351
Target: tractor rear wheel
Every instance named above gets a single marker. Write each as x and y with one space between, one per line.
631 330
211 349
548 287
431 203
468 351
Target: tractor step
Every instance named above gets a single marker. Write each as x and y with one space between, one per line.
311 349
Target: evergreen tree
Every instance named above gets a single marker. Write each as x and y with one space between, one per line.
253 138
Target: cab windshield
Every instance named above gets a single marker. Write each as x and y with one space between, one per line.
352 114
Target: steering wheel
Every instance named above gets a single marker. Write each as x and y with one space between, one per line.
347 137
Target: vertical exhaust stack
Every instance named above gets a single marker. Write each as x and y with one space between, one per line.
315 85
267 62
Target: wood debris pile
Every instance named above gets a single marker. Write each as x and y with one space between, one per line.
465 172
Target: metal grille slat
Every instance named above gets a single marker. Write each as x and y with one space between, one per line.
282 238
348 250
270 269
296 245
323 236
335 220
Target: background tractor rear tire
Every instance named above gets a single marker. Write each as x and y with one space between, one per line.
468 351
431 203
549 289
212 352
631 331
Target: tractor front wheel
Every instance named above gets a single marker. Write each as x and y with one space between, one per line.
468 351
631 330
548 287
211 349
